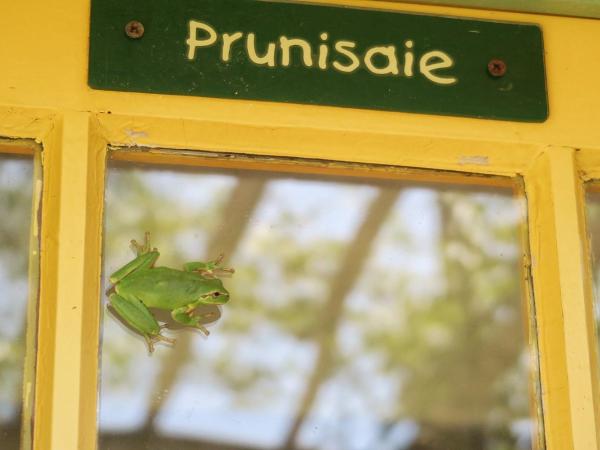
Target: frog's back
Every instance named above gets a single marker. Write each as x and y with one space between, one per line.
162 287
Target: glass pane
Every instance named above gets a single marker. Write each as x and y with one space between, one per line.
593 223
16 175
364 314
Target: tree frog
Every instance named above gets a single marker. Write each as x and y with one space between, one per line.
138 285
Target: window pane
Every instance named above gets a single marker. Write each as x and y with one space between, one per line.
16 175
364 314
593 223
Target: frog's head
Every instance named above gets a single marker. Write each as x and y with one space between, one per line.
215 293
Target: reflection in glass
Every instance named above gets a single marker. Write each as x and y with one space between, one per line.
593 224
364 315
16 175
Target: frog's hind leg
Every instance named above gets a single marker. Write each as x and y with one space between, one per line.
184 315
143 248
143 261
138 317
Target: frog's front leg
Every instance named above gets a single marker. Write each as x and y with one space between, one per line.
185 316
210 269
143 261
139 317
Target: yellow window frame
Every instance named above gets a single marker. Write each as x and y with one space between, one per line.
75 127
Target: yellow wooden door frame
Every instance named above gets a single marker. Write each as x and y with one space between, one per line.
45 99
75 147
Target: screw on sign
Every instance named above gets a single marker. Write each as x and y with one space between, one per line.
134 29
497 68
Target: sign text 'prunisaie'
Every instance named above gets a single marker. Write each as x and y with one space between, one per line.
378 60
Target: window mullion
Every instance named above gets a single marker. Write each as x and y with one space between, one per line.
72 246
562 294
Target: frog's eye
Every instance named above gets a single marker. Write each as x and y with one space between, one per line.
216 294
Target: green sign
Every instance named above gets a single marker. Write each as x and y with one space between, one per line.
319 55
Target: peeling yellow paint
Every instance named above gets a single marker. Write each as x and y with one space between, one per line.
476 160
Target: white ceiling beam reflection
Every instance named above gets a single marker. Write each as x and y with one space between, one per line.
241 203
349 272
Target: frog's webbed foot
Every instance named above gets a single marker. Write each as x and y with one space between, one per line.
217 270
152 339
221 272
203 329
150 343
160 337
210 269
141 249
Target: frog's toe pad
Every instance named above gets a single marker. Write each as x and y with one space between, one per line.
203 329
160 337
